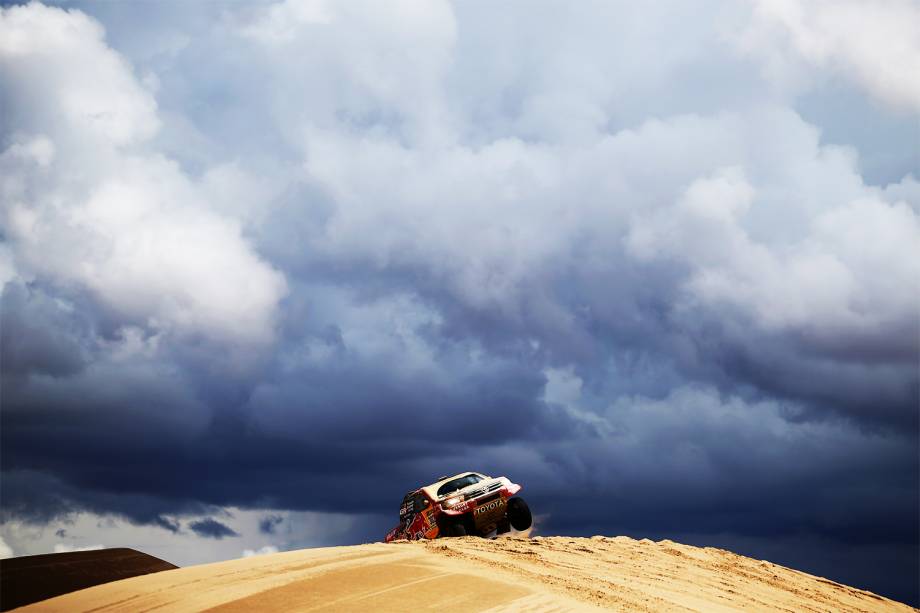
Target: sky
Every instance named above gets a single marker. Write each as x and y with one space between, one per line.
267 266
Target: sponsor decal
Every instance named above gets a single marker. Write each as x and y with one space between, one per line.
488 507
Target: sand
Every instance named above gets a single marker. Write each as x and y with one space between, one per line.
472 574
28 579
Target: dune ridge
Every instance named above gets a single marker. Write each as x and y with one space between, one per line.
29 579
643 575
507 574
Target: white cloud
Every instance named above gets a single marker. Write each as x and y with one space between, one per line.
86 204
67 548
742 203
874 43
353 63
825 284
261 551
39 150
62 70
279 23
5 550
564 388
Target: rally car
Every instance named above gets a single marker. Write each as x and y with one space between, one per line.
465 504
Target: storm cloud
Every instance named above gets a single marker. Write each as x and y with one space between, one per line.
296 258
211 528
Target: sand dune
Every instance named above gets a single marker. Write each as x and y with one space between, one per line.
28 579
471 574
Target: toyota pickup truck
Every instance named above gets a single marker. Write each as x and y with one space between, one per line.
469 503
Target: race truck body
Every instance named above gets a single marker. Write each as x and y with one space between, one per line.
466 504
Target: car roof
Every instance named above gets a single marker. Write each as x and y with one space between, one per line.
432 490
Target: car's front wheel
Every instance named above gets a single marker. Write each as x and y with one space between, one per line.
519 514
456 529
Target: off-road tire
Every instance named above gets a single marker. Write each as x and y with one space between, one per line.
503 526
456 529
519 514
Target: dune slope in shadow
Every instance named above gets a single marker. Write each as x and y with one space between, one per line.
29 579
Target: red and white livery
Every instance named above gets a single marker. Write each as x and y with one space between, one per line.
465 504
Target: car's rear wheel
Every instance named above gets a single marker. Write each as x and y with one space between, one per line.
519 514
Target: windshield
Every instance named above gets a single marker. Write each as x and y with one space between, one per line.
458 484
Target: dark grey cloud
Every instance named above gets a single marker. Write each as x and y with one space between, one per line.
167 524
284 271
269 523
211 528
39 335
